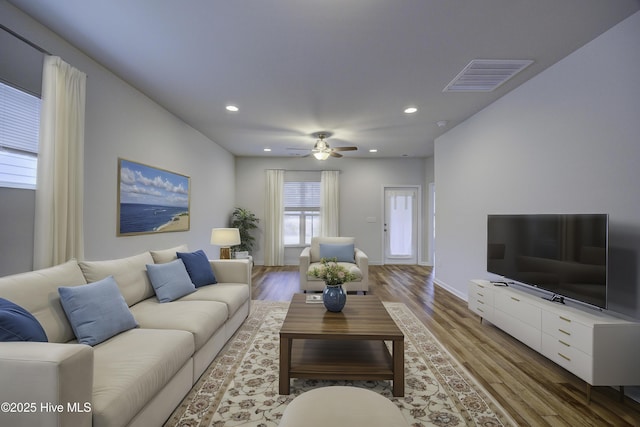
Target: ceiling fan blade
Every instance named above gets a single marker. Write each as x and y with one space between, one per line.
344 148
334 154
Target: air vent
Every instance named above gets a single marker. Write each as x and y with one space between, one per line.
486 75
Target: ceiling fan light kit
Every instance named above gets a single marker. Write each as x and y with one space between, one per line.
322 150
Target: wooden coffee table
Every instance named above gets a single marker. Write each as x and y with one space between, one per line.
350 345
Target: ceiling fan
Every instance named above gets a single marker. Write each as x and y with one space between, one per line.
321 150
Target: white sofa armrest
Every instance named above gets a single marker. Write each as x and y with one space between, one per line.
232 270
304 263
362 261
50 384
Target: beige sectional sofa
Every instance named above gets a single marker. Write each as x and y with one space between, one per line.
135 378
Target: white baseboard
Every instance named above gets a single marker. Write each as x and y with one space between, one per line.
450 289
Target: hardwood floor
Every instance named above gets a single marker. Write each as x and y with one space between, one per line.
534 390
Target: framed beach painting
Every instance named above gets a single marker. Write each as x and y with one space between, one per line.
151 200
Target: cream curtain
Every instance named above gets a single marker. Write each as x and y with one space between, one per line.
329 203
274 218
58 230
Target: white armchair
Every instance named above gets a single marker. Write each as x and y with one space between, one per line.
311 256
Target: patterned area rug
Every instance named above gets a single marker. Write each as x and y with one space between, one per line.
240 387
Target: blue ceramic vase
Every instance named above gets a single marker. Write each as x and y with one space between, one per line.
334 298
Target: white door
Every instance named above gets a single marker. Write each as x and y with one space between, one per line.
401 225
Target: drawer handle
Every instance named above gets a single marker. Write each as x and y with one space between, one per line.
565 319
480 286
564 343
481 310
515 299
480 294
564 357
480 302
565 332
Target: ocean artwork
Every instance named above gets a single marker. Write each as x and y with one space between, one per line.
151 200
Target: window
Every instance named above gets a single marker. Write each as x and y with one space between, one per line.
19 133
301 212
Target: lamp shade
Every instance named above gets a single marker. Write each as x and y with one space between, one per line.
225 236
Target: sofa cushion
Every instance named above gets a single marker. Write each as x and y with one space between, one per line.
166 255
314 251
201 318
170 280
130 274
342 252
37 292
97 311
234 295
133 367
17 324
199 268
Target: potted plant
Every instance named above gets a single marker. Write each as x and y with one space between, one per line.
245 221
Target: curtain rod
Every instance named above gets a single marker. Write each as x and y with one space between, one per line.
29 42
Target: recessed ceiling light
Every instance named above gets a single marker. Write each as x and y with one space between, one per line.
267 149
373 150
232 108
410 110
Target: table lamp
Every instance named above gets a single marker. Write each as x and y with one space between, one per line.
225 238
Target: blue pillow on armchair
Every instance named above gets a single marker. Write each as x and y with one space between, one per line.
343 252
17 324
198 267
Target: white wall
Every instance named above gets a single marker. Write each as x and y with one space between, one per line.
17 210
122 122
566 141
361 183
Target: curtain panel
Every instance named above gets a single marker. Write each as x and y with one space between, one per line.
274 218
329 203
58 229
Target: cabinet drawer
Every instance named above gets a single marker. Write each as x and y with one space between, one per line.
569 357
527 334
568 330
480 308
483 293
516 306
480 299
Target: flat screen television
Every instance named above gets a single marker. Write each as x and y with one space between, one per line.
564 254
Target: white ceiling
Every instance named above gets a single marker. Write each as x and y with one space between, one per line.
295 67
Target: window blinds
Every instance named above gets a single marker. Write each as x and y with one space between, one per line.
302 194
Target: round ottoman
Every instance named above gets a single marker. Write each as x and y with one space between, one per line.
342 406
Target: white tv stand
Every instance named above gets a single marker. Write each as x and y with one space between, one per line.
599 348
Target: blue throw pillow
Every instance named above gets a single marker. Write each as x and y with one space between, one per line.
170 280
344 252
198 267
96 311
17 324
